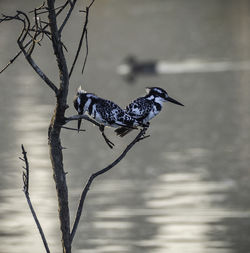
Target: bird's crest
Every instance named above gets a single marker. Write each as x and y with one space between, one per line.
80 91
148 89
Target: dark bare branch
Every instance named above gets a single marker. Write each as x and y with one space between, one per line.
56 154
34 37
26 192
33 64
98 173
58 50
91 3
85 117
44 8
10 62
26 170
8 18
21 16
84 31
101 127
87 51
41 7
72 5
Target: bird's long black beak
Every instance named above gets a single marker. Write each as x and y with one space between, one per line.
79 125
169 99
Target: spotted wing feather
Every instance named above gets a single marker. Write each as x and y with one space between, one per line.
139 108
113 114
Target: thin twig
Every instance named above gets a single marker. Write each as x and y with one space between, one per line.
91 3
98 173
80 42
20 41
28 57
6 18
32 47
72 5
86 43
87 51
26 192
77 117
41 7
10 62
84 31
26 172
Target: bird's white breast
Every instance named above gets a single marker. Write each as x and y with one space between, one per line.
151 114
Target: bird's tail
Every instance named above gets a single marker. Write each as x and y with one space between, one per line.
122 131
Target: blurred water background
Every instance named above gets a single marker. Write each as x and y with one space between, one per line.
184 189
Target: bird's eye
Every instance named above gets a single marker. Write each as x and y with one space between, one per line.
162 95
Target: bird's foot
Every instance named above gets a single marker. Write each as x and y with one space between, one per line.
146 125
110 143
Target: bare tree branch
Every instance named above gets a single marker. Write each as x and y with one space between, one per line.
36 28
21 39
72 5
45 9
101 127
10 62
26 192
139 137
84 116
27 55
61 8
56 154
87 51
57 46
84 31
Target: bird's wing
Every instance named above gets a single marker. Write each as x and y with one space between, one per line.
111 112
139 108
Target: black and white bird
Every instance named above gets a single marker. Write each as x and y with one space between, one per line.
103 111
143 109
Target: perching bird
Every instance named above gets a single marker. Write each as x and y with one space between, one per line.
103 111
143 109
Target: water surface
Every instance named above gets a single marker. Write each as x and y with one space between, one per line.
184 189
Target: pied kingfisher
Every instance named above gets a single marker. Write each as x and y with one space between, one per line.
103 111
143 109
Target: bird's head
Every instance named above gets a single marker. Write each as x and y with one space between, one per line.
80 101
161 95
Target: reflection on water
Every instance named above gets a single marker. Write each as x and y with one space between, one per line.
176 212
28 124
184 189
